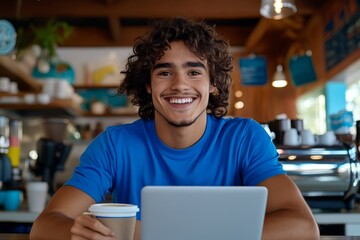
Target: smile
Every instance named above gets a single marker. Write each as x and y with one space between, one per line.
180 100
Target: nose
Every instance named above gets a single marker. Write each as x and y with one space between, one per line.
179 82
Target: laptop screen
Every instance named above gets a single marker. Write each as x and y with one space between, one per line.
202 213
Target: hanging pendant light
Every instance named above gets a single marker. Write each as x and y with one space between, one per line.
279 79
277 9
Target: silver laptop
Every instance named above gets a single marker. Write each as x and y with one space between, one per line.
202 213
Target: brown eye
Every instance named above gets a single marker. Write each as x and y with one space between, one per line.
164 73
194 73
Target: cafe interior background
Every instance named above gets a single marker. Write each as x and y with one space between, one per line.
60 80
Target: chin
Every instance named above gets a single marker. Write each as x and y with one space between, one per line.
182 122
181 119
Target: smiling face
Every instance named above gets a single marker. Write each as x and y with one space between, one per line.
180 87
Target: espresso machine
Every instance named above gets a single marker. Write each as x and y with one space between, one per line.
327 176
52 152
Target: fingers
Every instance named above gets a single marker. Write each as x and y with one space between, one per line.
88 227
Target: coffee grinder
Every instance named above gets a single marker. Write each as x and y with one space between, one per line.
52 151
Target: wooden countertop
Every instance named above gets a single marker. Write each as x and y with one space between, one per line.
9 236
5 236
21 216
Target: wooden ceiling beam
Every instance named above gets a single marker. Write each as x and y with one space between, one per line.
226 9
115 27
100 15
287 30
93 36
109 2
256 36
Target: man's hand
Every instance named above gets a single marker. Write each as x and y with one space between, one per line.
63 218
88 227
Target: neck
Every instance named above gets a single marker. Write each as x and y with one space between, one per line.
180 137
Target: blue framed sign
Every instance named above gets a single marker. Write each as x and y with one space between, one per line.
253 70
302 70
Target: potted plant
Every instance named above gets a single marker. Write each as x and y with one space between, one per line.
36 47
47 37
42 40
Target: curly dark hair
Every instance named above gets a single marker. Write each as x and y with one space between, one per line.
201 39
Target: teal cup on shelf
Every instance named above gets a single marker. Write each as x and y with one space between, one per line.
2 197
11 199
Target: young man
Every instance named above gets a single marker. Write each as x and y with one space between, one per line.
179 75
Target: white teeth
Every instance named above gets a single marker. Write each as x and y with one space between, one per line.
180 100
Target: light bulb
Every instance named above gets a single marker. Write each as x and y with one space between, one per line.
277 9
279 79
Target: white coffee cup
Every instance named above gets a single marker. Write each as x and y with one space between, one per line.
308 138
37 195
4 84
328 138
291 137
63 89
98 107
13 88
43 98
49 87
121 218
29 98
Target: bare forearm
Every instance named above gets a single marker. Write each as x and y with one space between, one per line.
286 224
52 225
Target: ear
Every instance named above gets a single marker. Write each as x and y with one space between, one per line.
148 88
214 90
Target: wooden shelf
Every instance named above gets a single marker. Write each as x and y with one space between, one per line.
59 108
10 68
109 114
105 86
27 84
20 94
122 112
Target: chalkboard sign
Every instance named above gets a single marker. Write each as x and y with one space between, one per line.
253 70
343 35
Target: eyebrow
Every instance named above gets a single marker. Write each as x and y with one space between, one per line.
187 64
163 65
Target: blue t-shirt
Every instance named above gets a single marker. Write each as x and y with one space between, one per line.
125 158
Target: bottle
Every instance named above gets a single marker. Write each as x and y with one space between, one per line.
86 133
357 139
14 153
15 142
98 129
88 74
